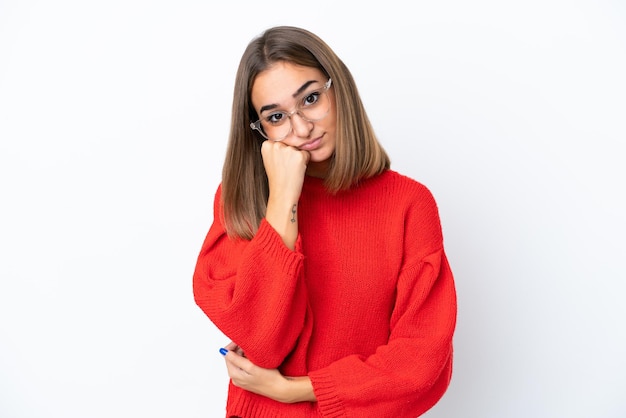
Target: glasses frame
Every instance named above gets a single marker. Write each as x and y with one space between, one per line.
256 126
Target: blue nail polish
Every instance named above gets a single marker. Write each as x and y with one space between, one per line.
223 351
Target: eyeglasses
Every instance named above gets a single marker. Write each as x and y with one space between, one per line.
311 106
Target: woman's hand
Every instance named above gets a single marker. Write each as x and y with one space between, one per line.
267 382
285 167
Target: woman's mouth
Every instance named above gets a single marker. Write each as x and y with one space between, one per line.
311 145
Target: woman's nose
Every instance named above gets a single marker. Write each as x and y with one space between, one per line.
300 126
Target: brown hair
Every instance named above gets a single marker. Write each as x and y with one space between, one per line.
358 154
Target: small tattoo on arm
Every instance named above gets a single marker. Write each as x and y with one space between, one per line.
293 214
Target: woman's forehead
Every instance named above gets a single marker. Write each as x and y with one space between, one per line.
283 81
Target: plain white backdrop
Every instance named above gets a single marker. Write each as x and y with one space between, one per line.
113 126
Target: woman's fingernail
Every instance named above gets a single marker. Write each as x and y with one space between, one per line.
223 351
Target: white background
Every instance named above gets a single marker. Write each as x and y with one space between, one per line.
113 125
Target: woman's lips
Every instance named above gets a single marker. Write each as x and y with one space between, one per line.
312 145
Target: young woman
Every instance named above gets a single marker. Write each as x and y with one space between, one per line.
324 267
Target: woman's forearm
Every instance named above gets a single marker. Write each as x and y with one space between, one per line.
299 389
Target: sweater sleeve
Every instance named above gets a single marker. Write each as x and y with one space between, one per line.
238 282
409 374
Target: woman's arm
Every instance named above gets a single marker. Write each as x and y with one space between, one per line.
406 376
285 167
236 282
409 374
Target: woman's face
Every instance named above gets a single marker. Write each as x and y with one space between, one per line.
285 87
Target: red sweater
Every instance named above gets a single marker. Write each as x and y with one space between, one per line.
365 305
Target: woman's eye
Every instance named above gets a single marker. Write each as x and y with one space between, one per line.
311 98
275 118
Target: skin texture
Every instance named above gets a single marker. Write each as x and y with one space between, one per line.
307 150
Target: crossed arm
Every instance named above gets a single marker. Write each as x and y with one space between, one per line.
267 382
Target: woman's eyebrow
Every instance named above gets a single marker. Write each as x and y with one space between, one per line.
303 87
294 95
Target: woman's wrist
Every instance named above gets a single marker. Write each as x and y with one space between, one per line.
298 389
283 218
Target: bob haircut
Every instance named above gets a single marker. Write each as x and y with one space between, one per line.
358 154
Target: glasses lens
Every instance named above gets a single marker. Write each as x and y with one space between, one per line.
314 106
277 131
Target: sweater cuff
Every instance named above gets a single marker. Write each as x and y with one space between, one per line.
328 401
269 241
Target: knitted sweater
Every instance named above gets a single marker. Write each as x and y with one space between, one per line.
365 305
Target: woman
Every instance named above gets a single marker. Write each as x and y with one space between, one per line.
324 267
